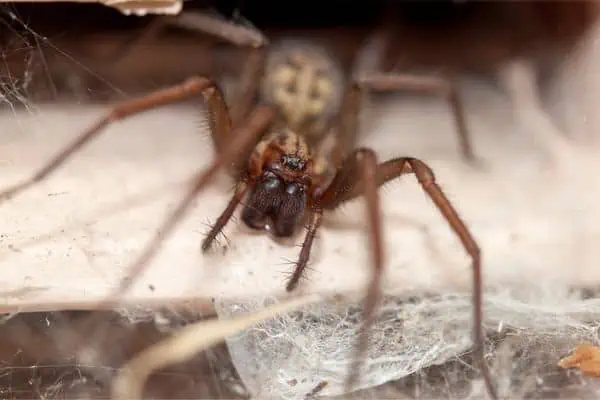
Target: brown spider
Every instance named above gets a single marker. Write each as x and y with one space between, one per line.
275 149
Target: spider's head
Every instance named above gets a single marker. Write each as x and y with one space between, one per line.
304 83
281 184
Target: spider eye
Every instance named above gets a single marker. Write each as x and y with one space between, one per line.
292 162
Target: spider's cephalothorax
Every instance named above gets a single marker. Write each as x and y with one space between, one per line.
280 168
304 83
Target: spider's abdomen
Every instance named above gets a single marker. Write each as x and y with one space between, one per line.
304 83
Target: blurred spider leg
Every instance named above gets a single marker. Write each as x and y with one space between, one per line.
348 124
376 54
519 79
315 222
348 186
238 35
188 88
446 86
148 34
361 166
196 21
241 36
242 139
248 85
220 128
219 27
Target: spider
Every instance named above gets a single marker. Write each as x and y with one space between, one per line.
294 97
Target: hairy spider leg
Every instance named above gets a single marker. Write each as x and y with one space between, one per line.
241 105
190 87
242 139
351 183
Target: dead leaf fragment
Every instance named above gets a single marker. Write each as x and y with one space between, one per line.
586 358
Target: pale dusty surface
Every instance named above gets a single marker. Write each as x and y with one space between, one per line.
69 240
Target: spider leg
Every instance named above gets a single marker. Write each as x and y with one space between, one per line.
240 191
196 21
348 124
239 141
445 86
519 79
352 181
362 165
190 87
205 23
242 139
315 222
241 36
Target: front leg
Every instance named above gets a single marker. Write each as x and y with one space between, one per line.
311 231
361 165
356 178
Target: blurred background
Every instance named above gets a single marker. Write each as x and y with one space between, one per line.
88 50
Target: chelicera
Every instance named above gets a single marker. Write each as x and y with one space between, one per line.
289 140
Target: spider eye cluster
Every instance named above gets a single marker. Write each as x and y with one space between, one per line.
293 162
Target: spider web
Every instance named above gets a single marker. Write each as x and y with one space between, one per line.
17 60
425 341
